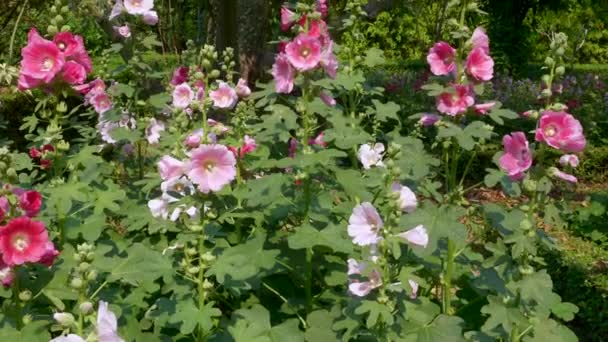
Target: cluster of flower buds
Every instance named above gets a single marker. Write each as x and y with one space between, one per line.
57 11
43 156
7 171
83 273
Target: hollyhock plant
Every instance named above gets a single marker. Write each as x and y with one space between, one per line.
23 240
7 274
48 258
101 102
5 208
288 18
441 58
362 288
249 145
42 59
180 75
414 285
283 74
561 131
327 99
456 102
429 119
124 31
407 198
170 168
484 108
304 52
365 224
68 338
329 61
569 159
159 207
211 167
417 236
371 156
117 9
242 89
517 157
182 95
318 140
322 8
224 96
74 73
107 325
153 131
30 202
150 18
138 7
562 175
479 65
480 39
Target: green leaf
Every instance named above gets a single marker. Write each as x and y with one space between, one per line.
550 330
109 199
374 57
190 316
123 89
332 236
159 101
253 324
499 113
502 316
385 111
434 89
444 328
565 311
375 312
320 327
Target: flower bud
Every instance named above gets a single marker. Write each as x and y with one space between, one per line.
560 70
207 257
66 28
530 185
84 266
549 61
27 319
194 269
546 93
76 283
25 295
199 75
92 275
525 224
65 9
64 318
191 251
58 18
560 51
86 307
207 284
51 29
546 78
214 73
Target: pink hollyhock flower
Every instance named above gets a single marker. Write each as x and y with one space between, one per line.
211 167
283 74
282 45
304 52
414 285
35 153
116 10
50 255
25 82
107 326
224 96
562 131
169 168
479 65
530 114
417 236
5 207
441 58
429 119
371 156
124 31
480 39
407 198
554 172
7 275
569 159
101 102
364 225
517 157
318 140
249 145
95 86
159 208
150 18
139 7
288 18
329 61
322 8
23 240
180 75
74 73
30 202
217 126
194 140
42 60
327 99
317 28
362 288
484 108
456 102
68 43
293 147
182 96
153 131
68 338
242 89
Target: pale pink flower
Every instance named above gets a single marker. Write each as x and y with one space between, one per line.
429 119
327 99
414 285
105 130
211 167
217 126
364 225
288 18
562 131
150 18
455 102
479 65
480 39
483 108
159 208
242 89
124 31
153 131
101 102
170 168
371 156
68 338
329 61
562 175
224 96
180 75
42 59
194 139
441 58
107 325
362 288
182 96
417 236
74 73
304 52
517 157
318 140
283 74
407 198
7 275
139 7
569 159
23 240
117 9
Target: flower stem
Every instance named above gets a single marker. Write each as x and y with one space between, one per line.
16 290
201 279
308 280
140 160
447 282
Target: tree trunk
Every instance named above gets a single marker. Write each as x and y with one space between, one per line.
253 25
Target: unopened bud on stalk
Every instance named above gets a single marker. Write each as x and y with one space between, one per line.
64 318
560 70
546 93
214 73
76 283
25 295
86 307
549 61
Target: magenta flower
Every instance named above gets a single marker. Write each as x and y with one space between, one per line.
170 168
249 145
327 99
211 167
288 18
182 96
242 89
73 49
23 240
224 96
517 157
30 202
480 39
138 7
362 288
441 58
101 102
74 73
48 258
479 65
5 208
293 147
150 18
407 198
554 172
429 119
569 159
283 74
180 75
483 108
455 102
42 59
304 52
417 236
562 131
322 8
364 225
318 140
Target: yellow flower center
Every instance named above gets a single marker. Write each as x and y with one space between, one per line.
136 3
305 52
47 64
209 166
550 131
20 242
61 46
